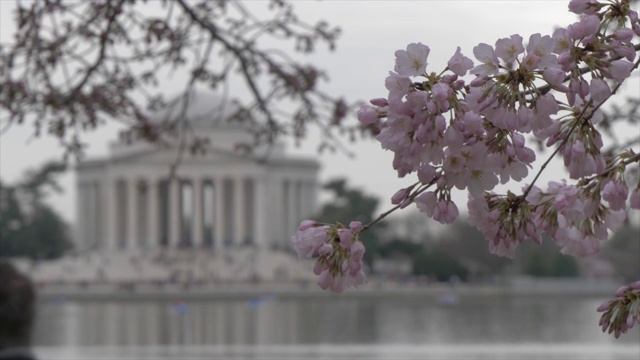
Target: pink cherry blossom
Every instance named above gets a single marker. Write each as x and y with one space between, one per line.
486 55
562 41
307 242
615 192
413 61
587 26
459 63
539 52
398 86
509 48
457 136
446 212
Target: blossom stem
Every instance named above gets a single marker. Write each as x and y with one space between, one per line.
419 191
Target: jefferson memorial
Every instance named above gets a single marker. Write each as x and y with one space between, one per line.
130 201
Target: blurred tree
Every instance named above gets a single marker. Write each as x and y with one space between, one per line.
399 246
73 65
467 245
349 204
438 264
623 251
28 226
545 260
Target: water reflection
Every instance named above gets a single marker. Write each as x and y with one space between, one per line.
265 321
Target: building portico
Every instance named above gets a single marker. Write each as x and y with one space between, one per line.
129 201
126 209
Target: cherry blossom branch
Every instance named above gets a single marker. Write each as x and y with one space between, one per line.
579 121
623 163
581 71
403 204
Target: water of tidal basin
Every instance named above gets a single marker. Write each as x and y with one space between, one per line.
484 327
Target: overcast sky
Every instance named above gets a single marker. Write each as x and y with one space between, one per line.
371 32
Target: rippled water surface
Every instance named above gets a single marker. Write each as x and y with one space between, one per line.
269 327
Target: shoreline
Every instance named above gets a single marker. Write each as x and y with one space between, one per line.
528 287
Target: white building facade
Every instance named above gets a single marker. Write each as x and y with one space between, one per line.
217 200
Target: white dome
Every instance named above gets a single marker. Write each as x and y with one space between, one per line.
204 111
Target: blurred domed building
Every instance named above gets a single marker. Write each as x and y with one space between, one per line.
128 202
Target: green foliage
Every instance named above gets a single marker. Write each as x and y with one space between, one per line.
351 204
545 260
399 246
28 226
623 251
438 264
467 245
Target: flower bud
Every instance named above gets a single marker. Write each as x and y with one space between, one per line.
325 279
449 78
367 115
621 290
399 196
338 285
604 306
357 251
620 69
325 249
356 227
623 34
306 224
345 236
479 81
599 90
319 267
382 102
554 76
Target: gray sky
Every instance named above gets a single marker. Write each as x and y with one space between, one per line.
371 32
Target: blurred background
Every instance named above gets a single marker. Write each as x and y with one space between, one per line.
145 251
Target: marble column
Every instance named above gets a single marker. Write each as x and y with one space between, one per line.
276 209
298 199
313 196
310 194
284 214
239 211
152 213
218 213
122 214
304 201
98 221
174 213
291 216
81 241
132 214
91 216
259 211
196 220
109 197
